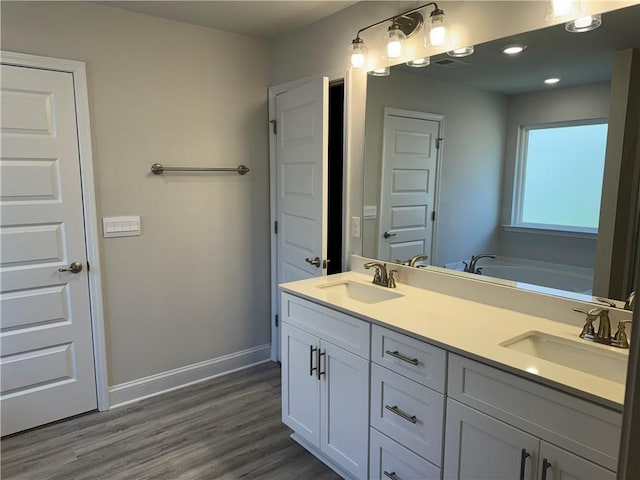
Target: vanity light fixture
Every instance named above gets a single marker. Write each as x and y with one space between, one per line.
584 24
403 26
419 62
461 52
513 49
552 81
380 72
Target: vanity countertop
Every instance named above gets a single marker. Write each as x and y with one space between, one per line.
468 328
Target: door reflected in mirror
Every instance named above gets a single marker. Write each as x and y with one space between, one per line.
459 161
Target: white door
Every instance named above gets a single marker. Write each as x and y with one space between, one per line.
558 464
344 403
301 186
407 194
300 385
47 363
478 447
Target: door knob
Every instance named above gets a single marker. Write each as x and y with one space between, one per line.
387 234
75 267
315 262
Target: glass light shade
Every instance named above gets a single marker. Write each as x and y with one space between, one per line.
461 52
513 49
438 29
419 62
358 51
380 72
584 24
561 8
552 81
395 41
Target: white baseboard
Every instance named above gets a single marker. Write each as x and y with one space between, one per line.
153 385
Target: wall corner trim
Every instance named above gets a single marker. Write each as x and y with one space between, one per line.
129 392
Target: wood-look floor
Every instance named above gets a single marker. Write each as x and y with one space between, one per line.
229 427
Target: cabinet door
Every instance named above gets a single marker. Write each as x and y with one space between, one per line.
300 385
344 398
480 447
558 464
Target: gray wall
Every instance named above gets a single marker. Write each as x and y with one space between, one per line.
195 285
556 105
471 167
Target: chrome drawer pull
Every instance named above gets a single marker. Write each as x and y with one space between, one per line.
395 353
391 475
400 413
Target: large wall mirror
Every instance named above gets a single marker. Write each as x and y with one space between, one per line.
478 155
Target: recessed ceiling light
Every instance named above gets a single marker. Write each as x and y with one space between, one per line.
513 49
583 24
552 81
461 52
380 72
419 62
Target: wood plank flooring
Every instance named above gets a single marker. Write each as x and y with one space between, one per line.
226 428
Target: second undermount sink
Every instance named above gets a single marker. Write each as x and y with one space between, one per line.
573 354
361 292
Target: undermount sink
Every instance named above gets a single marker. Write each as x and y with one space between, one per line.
360 292
573 354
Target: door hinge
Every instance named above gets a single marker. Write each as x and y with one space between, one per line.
277 320
88 266
275 227
433 216
438 142
274 124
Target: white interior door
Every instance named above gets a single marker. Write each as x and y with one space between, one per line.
302 154
407 192
47 363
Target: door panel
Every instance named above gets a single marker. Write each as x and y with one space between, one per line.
567 466
302 152
408 188
344 405
47 364
300 385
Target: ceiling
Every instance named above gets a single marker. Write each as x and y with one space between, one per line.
576 58
262 19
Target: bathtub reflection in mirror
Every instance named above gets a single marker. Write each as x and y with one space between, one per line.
457 201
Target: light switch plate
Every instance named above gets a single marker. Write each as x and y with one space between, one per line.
355 227
121 226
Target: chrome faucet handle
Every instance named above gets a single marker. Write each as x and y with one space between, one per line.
588 326
631 300
606 301
391 280
620 338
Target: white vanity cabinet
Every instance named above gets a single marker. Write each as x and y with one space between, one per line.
407 407
502 426
325 383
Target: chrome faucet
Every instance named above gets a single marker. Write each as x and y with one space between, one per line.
416 259
603 335
380 275
631 301
471 266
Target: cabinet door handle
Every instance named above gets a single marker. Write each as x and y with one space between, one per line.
320 355
400 413
312 349
546 464
391 475
523 458
399 356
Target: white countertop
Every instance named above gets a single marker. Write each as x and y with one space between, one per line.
469 328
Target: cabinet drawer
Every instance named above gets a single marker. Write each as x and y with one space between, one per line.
589 430
408 412
342 330
412 358
390 460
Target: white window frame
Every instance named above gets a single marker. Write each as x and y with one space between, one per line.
518 191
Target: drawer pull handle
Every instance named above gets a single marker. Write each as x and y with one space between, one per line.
399 356
312 369
546 464
320 355
391 475
400 413
523 458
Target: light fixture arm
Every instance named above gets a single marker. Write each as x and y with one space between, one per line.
392 19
